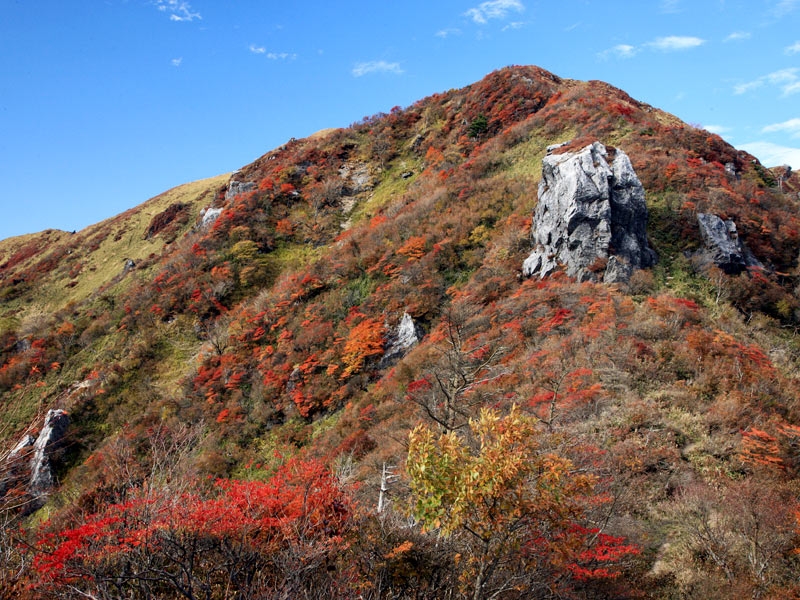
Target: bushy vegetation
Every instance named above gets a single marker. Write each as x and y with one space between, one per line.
235 419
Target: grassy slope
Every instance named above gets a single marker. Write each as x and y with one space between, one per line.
95 256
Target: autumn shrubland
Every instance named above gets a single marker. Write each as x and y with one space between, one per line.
232 410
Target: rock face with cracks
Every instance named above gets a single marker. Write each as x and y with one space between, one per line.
591 217
722 246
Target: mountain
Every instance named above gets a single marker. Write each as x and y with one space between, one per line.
328 375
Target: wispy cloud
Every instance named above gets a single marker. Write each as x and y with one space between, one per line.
738 36
793 49
784 7
176 62
178 10
791 89
445 33
773 154
670 6
494 9
261 50
718 129
672 43
791 126
376 66
786 79
515 25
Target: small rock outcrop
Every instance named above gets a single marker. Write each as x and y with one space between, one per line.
406 336
722 246
50 437
591 217
238 187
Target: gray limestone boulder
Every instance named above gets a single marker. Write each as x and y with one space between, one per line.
722 246
591 217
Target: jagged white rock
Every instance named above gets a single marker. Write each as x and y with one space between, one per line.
406 336
591 217
55 427
209 215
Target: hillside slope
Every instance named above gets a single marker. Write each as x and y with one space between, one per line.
570 439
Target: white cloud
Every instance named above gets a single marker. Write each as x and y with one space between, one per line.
176 62
786 79
793 49
178 10
257 49
672 43
624 50
376 66
445 33
493 9
738 36
718 129
773 155
619 51
514 25
791 126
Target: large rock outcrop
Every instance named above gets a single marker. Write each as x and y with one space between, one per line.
591 217
722 246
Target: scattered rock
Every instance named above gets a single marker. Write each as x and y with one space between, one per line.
591 217
722 246
55 427
130 265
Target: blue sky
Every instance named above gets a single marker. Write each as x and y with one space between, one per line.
106 103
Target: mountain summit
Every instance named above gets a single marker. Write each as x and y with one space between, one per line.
491 345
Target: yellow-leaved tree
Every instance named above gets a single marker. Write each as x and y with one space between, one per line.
514 505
